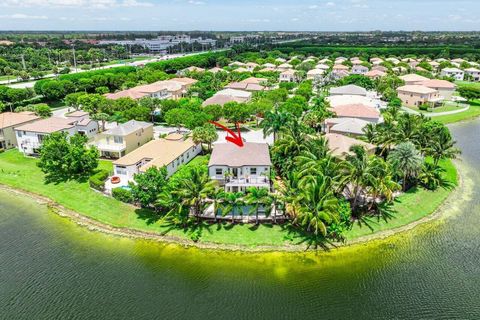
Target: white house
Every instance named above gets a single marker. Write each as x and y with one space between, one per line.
315 74
171 152
359 69
31 135
288 76
453 73
238 168
474 73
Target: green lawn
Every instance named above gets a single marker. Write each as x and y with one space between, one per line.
411 206
472 112
21 172
445 108
468 83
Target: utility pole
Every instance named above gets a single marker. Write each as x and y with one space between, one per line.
74 58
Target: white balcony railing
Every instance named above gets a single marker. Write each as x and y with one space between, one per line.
254 181
117 147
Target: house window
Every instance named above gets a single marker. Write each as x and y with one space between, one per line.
253 170
218 172
118 139
41 138
19 133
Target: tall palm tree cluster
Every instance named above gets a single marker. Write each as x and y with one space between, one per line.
184 201
324 194
414 145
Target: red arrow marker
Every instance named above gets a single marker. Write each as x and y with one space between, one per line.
235 137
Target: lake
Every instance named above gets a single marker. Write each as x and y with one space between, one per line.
50 268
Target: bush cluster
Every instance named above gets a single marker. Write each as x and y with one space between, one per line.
97 181
123 195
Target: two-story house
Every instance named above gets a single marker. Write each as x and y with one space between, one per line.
30 136
123 139
359 69
8 122
474 73
288 76
238 168
171 152
455 73
416 95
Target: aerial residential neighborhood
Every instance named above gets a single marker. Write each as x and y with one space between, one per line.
165 160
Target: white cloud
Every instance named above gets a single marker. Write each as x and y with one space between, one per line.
196 2
313 6
330 4
23 16
294 19
97 4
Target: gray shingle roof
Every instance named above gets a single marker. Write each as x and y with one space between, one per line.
128 127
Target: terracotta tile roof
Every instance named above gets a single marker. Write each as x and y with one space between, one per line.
161 152
77 114
229 154
340 144
133 94
413 78
254 80
49 125
222 99
10 119
375 73
444 84
356 111
416 89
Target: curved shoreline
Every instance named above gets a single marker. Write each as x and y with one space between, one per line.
94 225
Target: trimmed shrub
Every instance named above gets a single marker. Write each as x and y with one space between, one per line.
97 181
123 195
423 107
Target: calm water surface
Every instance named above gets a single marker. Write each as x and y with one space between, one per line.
52 269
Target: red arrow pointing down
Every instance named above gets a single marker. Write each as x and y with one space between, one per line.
235 137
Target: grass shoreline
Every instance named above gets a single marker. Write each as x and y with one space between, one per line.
97 212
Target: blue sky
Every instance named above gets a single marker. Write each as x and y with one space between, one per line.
319 15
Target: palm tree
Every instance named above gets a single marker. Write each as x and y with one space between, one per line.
317 206
232 201
432 177
194 189
442 147
273 122
407 161
217 195
256 198
356 173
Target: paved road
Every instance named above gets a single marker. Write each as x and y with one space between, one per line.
30 84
